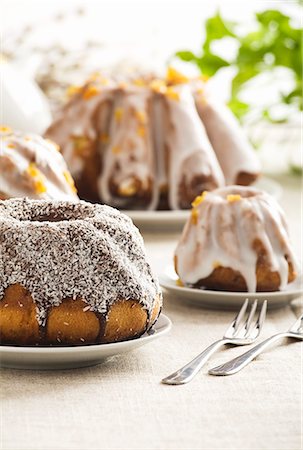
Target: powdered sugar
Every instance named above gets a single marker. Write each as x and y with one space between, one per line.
60 250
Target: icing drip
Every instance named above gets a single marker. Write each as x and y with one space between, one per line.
158 120
32 166
155 150
190 153
232 148
128 160
61 250
228 222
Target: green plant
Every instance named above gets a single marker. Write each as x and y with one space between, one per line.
274 43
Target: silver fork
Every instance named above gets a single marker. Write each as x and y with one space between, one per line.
236 334
236 364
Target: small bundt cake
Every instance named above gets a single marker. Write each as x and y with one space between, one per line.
142 144
31 166
235 240
72 273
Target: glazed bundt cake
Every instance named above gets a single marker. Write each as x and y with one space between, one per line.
236 240
31 166
72 273
141 144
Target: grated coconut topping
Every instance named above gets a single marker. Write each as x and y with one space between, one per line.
59 250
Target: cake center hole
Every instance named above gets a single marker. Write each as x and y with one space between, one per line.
50 218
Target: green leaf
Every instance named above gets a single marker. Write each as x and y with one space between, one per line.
254 46
209 63
296 170
186 55
238 107
217 28
267 115
294 97
275 42
270 16
288 57
242 77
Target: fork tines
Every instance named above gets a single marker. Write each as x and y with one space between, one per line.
243 328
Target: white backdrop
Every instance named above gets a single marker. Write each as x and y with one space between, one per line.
139 29
142 32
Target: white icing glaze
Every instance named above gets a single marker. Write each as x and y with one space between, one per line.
190 153
129 160
224 233
171 156
18 153
59 250
232 148
78 122
158 119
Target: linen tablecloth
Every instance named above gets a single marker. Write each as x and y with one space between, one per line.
122 405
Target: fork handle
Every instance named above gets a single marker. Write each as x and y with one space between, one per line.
236 364
187 373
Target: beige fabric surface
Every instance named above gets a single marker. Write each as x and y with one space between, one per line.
122 405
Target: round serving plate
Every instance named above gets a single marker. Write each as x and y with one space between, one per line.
175 220
223 299
57 358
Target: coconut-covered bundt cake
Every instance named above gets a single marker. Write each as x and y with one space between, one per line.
148 143
31 166
237 240
72 273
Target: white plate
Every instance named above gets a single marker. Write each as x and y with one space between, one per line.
52 358
224 299
175 220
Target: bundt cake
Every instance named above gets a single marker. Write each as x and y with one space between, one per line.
236 240
141 143
72 273
31 166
